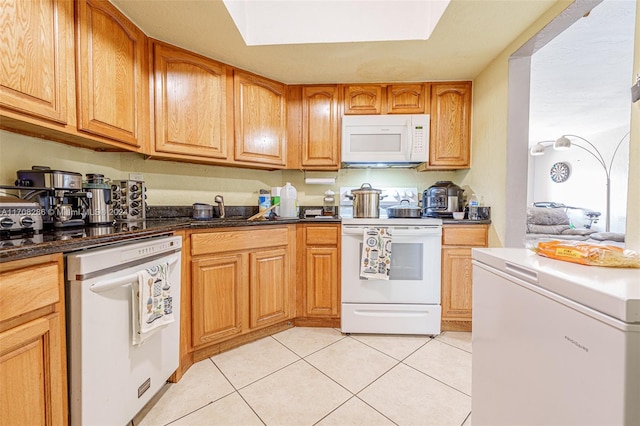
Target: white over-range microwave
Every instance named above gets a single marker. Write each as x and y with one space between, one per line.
400 140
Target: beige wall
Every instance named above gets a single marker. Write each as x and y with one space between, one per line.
489 136
174 183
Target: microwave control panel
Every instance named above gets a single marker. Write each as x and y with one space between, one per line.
418 140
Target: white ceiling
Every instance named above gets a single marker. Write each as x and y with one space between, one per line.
581 80
470 34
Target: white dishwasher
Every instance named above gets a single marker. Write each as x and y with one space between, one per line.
554 343
110 377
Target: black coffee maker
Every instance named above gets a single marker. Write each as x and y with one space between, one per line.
442 199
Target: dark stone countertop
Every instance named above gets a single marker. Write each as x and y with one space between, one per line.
70 239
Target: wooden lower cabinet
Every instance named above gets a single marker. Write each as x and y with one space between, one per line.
33 375
319 275
457 243
241 281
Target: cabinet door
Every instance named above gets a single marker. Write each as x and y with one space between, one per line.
32 377
457 284
217 297
322 278
112 73
260 120
363 99
450 143
192 103
407 99
269 287
320 141
36 50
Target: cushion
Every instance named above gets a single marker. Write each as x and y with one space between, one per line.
608 236
546 229
578 232
546 216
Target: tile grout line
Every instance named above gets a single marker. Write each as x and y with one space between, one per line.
436 379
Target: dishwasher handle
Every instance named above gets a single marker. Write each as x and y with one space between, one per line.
102 286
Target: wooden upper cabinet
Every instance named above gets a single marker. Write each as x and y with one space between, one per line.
112 71
320 128
260 120
408 98
36 47
363 99
193 103
450 140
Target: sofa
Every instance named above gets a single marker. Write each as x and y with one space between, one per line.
545 224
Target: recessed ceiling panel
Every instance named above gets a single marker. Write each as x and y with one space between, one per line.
270 22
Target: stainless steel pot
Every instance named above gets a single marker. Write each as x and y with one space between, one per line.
366 201
404 210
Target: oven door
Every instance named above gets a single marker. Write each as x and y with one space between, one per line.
415 267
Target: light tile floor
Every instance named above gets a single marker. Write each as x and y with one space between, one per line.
318 376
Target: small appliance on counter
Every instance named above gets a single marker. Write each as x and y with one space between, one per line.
58 192
19 217
129 200
442 199
100 211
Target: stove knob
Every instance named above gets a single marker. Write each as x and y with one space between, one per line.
27 221
134 212
133 188
6 222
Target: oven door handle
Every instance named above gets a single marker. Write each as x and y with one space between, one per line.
102 286
399 231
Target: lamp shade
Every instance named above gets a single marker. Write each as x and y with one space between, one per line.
562 143
537 149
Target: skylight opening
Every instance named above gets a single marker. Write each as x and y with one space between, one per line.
270 22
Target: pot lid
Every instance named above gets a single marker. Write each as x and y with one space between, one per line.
366 188
404 205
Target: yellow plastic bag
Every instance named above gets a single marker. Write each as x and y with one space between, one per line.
589 253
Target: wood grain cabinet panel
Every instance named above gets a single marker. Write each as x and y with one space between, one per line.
363 99
320 128
217 297
112 73
193 103
457 283
269 287
34 47
450 139
33 375
260 120
457 297
319 272
408 99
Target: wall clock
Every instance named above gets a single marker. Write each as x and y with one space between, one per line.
560 172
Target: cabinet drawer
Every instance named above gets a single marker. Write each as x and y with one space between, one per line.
322 235
25 290
461 235
226 241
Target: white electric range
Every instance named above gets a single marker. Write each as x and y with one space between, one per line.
408 302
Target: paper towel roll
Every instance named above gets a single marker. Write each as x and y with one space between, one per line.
320 181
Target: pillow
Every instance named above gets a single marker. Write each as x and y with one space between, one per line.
578 232
545 216
608 236
546 229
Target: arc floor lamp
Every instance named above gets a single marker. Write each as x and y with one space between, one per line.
564 143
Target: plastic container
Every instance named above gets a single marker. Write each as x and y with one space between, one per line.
288 201
275 198
328 206
473 207
264 202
